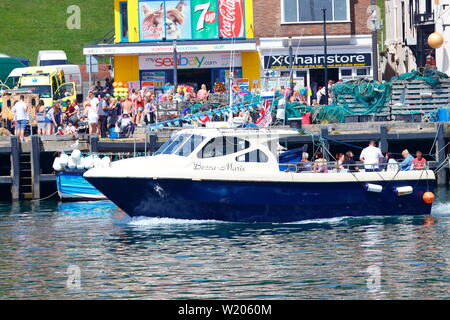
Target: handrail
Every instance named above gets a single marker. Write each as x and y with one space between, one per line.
332 167
107 38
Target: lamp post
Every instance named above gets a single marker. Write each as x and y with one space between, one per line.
375 28
175 67
325 52
291 77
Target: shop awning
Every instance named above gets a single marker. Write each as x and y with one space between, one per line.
146 48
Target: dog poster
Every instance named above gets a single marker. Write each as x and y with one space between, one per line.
178 20
152 20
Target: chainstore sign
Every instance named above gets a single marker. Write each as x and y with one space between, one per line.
189 61
313 61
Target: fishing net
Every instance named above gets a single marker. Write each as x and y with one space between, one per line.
431 76
356 97
297 109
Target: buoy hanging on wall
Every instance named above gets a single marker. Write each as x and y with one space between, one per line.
428 197
403 191
373 187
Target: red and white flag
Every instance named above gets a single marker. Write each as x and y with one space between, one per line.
265 113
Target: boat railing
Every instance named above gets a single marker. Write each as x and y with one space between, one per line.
334 167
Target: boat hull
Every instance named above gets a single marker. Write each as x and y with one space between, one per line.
238 201
72 186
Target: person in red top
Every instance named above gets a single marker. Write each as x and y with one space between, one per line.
419 162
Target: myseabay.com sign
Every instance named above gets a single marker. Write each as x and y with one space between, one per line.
313 61
189 61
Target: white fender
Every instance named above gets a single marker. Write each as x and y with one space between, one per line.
57 164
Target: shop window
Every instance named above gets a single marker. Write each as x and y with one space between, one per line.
361 72
223 146
311 10
124 21
346 72
254 156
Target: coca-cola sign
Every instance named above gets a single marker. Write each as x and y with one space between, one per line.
231 18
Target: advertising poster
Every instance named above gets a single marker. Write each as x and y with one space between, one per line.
178 19
151 20
244 84
231 18
205 20
153 79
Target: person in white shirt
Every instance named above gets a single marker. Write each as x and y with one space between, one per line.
20 111
371 157
392 163
93 101
91 111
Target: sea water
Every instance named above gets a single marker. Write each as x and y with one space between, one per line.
92 250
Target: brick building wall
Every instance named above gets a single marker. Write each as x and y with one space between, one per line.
267 20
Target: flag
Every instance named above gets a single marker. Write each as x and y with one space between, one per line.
265 113
205 119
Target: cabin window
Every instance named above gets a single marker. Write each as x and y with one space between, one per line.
190 145
223 146
254 156
181 145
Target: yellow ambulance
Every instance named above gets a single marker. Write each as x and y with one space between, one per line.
49 84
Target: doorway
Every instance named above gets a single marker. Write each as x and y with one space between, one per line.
317 78
195 78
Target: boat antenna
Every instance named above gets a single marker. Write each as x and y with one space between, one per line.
270 59
232 61
296 52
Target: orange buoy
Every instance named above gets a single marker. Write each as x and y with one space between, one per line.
436 40
428 197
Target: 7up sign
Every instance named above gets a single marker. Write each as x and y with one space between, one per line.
205 19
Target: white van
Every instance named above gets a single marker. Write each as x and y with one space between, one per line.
51 58
13 79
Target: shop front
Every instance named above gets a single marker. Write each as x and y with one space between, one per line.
212 38
192 69
346 59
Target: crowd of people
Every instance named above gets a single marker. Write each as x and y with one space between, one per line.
102 112
314 96
373 160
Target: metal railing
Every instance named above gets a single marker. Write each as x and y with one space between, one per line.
108 38
333 167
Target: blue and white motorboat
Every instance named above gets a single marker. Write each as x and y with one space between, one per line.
235 175
70 183
72 186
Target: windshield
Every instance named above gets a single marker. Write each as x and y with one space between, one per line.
52 62
182 145
43 91
12 81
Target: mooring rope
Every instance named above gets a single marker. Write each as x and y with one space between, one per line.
46 197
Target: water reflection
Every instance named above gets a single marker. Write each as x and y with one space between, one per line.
119 257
